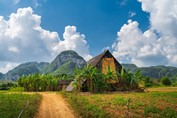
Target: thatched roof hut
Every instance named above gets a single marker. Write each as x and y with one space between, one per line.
104 62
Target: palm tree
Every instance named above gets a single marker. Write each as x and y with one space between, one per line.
78 78
91 73
110 75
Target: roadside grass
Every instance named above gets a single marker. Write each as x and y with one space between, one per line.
157 104
11 104
83 107
163 89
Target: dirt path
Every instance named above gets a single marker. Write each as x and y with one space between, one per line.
53 106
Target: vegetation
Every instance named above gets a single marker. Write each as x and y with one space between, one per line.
154 71
13 104
83 107
158 103
96 81
67 68
37 82
5 85
165 81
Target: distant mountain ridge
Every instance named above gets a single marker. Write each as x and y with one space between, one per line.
154 71
67 61
26 69
64 63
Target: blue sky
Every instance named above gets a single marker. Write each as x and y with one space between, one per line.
98 20
37 30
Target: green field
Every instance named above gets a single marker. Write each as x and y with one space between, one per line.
11 104
157 103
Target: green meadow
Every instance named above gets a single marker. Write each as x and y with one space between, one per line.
13 103
156 103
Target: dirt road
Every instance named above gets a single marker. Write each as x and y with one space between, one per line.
53 106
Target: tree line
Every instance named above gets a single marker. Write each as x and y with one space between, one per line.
39 82
92 79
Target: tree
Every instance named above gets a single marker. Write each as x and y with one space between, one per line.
165 81
90 72
78 77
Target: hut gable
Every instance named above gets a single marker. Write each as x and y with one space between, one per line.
106 57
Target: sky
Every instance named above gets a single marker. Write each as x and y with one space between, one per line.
142 32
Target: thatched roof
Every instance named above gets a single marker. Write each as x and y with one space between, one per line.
95 60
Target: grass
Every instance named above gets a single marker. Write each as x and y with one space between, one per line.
157 103
11 104
83 107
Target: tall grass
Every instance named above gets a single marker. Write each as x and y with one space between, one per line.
12 104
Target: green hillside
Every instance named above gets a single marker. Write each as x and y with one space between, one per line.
154 71
67 68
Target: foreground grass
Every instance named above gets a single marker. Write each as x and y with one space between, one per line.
156 103
83 107
11 104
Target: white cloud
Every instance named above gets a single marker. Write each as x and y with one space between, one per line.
73 40
134 46
131 14
149 48
7 66
23 39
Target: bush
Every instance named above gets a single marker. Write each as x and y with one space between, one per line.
17 89
165 81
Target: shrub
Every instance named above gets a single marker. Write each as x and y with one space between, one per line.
17 89
165 81
150 109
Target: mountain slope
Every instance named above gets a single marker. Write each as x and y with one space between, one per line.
25 69
64 57
64 63
154 71
1 76
67 68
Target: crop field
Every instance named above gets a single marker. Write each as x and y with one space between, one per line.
11 104
157 103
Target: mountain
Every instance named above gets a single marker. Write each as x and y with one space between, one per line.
26 69
62 58
154 71
131 67
67 68
1 76
64 63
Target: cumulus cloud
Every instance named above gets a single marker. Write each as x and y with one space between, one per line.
23 39
73 40
134 46
155 46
